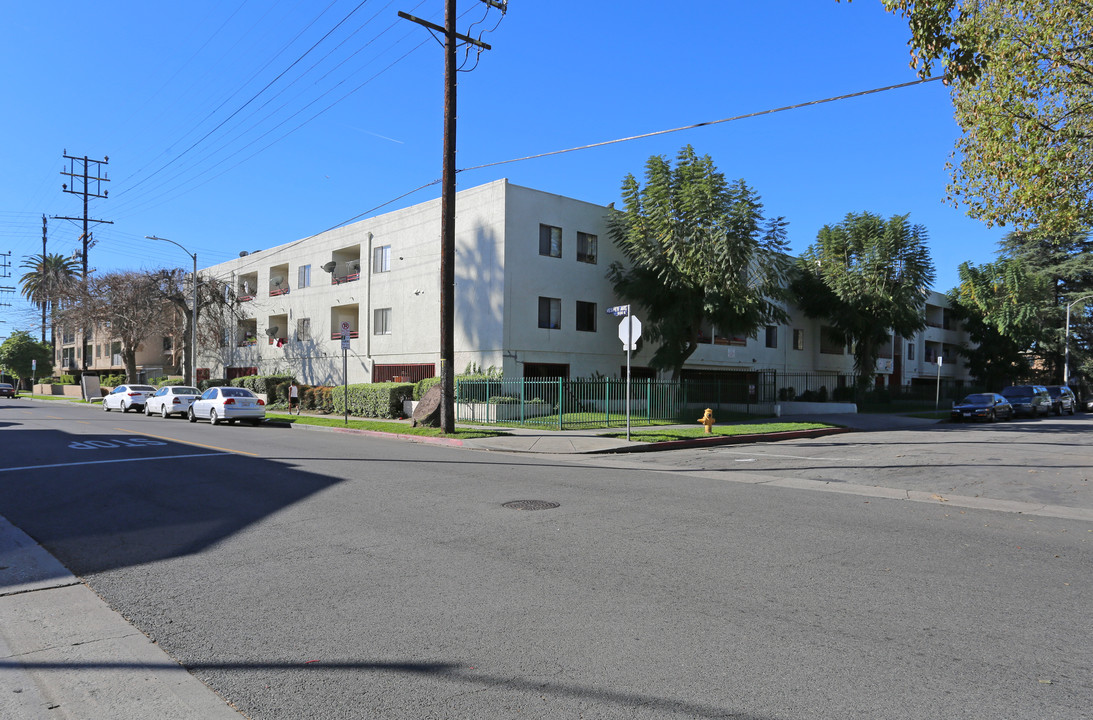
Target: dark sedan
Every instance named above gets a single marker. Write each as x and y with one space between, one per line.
6 390
982 406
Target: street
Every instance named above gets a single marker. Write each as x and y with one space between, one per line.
934 573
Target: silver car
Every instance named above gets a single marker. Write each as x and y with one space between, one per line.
127 397
170 400
228 404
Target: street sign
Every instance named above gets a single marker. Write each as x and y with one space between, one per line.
629 332
619 310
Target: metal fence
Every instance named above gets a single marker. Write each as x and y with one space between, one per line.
601 402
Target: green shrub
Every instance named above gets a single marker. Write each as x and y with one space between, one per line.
68 379
373 400
422 386
111 380
319 398
204 385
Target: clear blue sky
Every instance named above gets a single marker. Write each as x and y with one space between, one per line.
201 153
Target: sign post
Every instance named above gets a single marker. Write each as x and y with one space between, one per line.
937 396
629 332
345 368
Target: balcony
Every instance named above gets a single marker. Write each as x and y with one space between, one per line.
338 335
278 280
351 277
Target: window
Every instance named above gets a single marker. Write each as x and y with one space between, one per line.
586 316
550 241
225 337
166 343
303 329
381 321
798 339
910 351
303 276
381 259
98 351
830 345
586 248
772 336
550 313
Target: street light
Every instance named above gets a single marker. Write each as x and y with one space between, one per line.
1066 342
193 315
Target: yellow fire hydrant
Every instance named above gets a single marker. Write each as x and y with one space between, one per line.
707 419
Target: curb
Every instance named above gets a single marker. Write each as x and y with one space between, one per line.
423 439
725 440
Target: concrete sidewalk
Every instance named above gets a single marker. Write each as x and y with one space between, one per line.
65 654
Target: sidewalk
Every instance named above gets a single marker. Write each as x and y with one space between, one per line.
65 654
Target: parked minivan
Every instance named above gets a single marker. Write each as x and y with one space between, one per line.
1031 400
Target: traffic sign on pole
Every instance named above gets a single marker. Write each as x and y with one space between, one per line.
619 310
629 332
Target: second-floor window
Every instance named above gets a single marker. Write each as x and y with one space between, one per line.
303 276
550 313
772 336
381 259
550 241
586 316
586 248
303 329
798 339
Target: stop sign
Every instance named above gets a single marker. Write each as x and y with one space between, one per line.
629 332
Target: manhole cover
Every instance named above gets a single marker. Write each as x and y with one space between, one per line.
530 505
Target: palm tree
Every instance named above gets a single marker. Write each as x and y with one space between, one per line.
46 279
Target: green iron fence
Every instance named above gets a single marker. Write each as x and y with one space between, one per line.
562 403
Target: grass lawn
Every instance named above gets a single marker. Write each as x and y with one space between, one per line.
395 428
719 430
574 421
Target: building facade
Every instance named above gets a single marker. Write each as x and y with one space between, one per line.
531 298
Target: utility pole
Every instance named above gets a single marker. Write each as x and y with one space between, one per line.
85 178
447 203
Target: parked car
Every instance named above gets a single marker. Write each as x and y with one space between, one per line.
228 404
127 397
1031 400
171 401
1063 399
982 406
7 390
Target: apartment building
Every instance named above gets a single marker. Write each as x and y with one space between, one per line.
157 355
530 299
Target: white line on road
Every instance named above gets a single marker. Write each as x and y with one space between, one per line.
118 460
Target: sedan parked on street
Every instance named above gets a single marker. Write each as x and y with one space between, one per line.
169 401
127 397
1063 399
6 390
228 404
1031 400
982 406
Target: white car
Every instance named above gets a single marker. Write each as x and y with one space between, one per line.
228 404
171 400
127 397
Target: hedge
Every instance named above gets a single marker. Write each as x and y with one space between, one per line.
373 400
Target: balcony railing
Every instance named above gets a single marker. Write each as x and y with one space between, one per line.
245 298
337 335
338 280
274 292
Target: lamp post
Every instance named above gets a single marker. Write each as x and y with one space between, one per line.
193 314
1066 341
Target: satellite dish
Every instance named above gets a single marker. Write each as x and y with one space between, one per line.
278 280
243 253
329 267
354 265
272 332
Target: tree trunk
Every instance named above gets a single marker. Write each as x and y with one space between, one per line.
129 357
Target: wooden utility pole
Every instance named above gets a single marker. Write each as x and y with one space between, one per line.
447 204
85 177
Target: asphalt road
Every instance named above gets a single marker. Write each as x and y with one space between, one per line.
320 575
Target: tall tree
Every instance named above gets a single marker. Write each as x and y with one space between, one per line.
867 277
699 252
1001 306
18 353
128 303
47 278
214 299
1022 88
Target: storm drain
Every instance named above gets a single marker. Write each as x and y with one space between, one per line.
530 505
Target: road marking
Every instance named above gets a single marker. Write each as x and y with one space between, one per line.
103 462
186 442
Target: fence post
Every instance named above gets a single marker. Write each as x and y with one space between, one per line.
561 401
